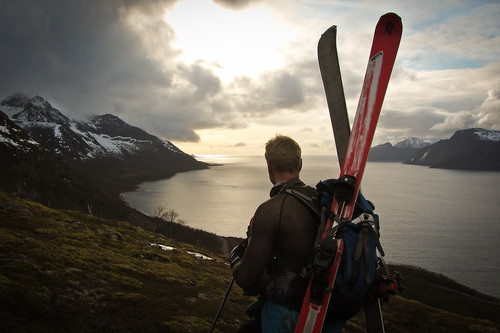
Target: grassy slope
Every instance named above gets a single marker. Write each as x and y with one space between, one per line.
65 271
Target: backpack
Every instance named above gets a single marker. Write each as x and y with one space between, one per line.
359 262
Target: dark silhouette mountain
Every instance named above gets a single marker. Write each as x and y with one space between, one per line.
401 152
104 149
469 149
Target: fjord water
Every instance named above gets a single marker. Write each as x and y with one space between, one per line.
445 221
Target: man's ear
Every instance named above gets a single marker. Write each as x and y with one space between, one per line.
270 171
300 166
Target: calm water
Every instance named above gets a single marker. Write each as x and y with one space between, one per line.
442 220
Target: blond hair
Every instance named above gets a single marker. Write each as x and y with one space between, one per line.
283 153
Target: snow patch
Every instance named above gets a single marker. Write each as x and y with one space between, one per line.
170 146
9 141
161 246
170 248
200 256
4 129
107 143
38 102
57 132
488 135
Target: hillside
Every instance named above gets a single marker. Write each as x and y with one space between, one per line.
65 271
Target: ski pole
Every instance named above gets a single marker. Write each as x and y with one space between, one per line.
222 305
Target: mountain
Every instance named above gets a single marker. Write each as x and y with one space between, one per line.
401 152
99 136
412 143
469 149
104 149
32 171
14 137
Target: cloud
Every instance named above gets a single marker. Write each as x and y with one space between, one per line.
267 94
119 57
108 57
124 57
463 36
455 121
489 111
236 4
394 126
486 115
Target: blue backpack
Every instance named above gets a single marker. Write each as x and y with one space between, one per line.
358 265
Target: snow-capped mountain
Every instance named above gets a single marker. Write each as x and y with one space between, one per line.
104 149
470 149
412 143
99 136
13 136
486 135
401 152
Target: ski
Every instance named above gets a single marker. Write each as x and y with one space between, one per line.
382 56
332 81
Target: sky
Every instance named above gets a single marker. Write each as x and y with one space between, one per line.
224 76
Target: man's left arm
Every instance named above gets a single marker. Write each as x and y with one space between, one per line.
259 250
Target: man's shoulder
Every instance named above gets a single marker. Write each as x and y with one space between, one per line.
273 202
307 191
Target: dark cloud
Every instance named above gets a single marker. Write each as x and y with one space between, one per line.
235 4
116 56
73 46
270 92
84 57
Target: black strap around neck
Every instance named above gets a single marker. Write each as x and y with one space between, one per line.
281 186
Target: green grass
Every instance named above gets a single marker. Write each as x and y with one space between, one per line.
65 271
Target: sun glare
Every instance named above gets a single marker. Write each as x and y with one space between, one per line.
232 42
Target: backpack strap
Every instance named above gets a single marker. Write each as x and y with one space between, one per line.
367 226
306 200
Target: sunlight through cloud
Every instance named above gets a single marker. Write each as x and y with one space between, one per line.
232 42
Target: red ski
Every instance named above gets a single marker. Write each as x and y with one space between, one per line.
382 56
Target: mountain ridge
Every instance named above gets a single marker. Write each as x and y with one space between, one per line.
468 149
401 152
412 143
99 135
104 149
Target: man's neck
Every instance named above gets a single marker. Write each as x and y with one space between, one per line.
284 177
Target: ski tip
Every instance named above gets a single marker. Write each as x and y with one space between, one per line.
390 24
391 15
329 31
328 40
